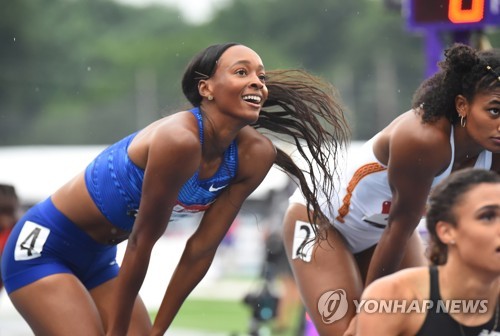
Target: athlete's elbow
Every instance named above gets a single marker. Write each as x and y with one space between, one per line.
140 242
196 250
400 229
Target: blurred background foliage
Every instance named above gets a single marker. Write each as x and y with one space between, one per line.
89 72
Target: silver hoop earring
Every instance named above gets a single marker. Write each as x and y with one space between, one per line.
463 121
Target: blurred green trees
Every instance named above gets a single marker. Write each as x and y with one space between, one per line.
88 72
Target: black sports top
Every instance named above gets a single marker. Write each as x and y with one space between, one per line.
438 322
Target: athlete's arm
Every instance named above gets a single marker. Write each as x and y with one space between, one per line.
255 160
416 157
173 157
384 308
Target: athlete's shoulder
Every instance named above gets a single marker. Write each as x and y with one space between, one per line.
408 283
412 131
423 146
252 142
172 140
180 129
256 155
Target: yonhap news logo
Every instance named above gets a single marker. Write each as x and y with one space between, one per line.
333 305
454 306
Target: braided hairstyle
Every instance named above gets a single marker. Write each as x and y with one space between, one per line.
301 109
464 71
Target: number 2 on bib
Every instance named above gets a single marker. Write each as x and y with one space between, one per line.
303 241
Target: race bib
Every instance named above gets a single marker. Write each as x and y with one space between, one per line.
30 242
303 241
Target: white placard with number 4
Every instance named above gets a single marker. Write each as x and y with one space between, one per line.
30 242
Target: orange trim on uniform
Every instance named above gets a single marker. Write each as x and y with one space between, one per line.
358 175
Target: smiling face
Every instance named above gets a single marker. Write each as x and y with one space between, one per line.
238 84
477 233
483 119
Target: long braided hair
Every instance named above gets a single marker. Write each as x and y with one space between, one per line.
303 108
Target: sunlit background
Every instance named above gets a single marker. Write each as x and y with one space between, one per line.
76 75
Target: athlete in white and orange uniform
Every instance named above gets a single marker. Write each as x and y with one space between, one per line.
361 212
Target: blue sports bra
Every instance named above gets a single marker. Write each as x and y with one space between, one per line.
115 183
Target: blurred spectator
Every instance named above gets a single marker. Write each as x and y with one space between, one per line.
9 212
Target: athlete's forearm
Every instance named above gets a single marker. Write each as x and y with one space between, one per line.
387 256
186 277
129 281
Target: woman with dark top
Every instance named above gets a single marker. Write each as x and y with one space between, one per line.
458 294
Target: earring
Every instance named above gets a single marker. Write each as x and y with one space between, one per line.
210 97
452 242
463 121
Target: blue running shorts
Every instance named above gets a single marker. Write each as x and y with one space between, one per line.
46 242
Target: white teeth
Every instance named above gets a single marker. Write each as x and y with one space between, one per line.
252 98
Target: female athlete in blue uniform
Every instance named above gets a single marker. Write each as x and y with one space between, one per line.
59 264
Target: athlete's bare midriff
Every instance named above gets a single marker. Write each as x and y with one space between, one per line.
74 201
